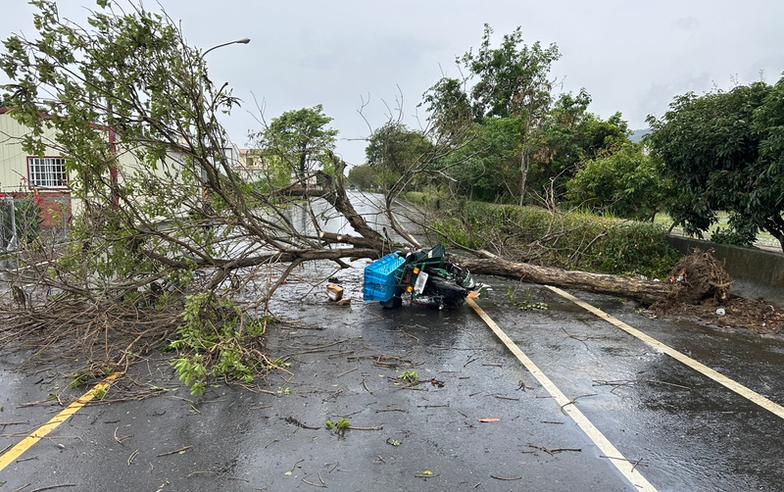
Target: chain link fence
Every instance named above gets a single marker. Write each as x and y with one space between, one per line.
23 220
8 238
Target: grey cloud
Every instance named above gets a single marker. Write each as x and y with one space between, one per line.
687 23
632 57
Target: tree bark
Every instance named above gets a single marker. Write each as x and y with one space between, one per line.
642 290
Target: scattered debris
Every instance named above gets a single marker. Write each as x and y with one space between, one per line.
335 292
502 397
497 477
293 421
533 306
751 314
553 451
340 427
51 487
437 383
489 420
323 485
182 450
393 442
410 377
296 465
700 276
425 474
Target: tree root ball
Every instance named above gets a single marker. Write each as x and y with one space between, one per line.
699 276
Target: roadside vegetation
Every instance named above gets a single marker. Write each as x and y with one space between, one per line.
515 140
574 240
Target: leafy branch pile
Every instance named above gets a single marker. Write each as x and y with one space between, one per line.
170 229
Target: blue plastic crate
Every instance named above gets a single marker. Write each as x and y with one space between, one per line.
381 278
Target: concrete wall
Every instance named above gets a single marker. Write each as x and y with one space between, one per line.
755 273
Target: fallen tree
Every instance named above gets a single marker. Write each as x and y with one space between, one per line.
171 232
642 290
695 278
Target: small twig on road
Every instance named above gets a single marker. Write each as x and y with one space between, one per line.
497 477
347 372
322 484
501 397
553 451
634 463
667 383
120 439
295 465
373 428
53 487
293 421
574 401
176 451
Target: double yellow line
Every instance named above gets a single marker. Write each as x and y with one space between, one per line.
15 452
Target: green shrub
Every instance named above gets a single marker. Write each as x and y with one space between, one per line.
574 240
430 197
217 339
628 183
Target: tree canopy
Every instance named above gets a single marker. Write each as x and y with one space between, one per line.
303 137
626 183
396 147
724 149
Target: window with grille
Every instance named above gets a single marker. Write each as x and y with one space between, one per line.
47 172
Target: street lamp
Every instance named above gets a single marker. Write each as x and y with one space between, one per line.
238 41
204 177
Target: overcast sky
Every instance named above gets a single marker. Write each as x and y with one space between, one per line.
631 56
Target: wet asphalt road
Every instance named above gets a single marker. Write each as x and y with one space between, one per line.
684 431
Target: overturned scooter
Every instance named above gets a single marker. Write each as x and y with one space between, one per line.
420 277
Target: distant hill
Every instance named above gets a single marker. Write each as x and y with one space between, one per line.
637 135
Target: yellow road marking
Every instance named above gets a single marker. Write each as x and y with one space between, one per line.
627 468
14 453
720 378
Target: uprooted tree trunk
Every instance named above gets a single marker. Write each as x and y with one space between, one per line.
693 279
642 290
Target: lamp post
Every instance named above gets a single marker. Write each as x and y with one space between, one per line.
204 177
238 41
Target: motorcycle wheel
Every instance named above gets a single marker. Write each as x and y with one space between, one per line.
451 295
